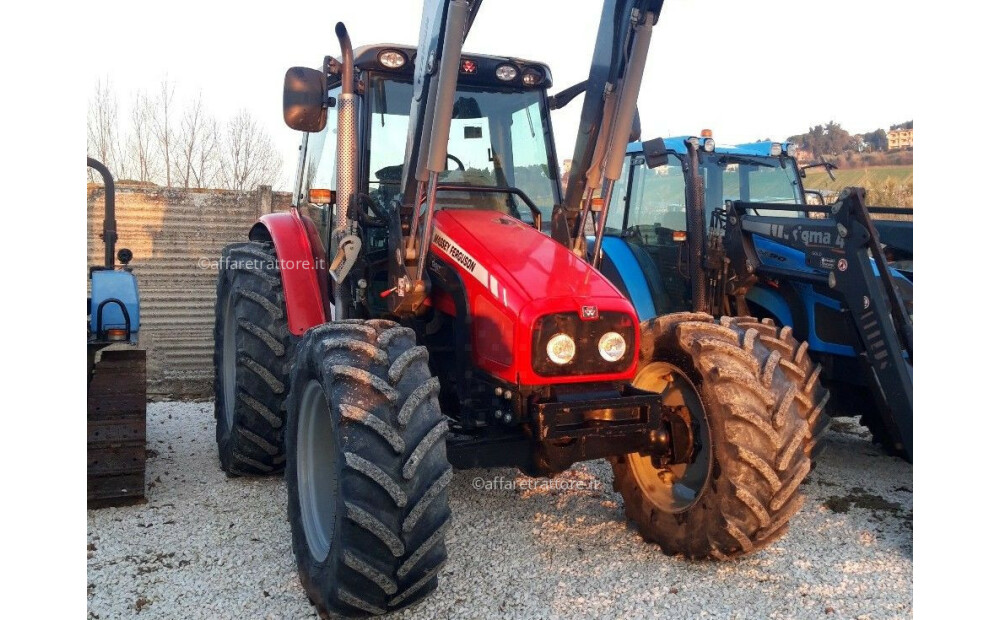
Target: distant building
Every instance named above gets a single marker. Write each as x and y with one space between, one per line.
567 164
564 177
900 139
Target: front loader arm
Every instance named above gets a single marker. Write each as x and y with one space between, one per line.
846 255
605 128
443 28
609 109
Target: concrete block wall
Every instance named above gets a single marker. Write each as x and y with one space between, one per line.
176 237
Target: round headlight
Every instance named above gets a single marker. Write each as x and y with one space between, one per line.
506 73
532 77
561 349
612 346
709 145
791 149
391 59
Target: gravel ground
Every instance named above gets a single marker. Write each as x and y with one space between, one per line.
205 546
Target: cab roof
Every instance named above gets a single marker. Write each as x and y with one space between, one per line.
483 67
677 144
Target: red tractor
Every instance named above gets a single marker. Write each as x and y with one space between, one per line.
409 315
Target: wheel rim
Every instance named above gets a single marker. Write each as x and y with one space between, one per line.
677 487
229 362
316 470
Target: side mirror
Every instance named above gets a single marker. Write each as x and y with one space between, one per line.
814 198
655 153
304 99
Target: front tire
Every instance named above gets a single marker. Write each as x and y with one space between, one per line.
367 471
743 486
794 358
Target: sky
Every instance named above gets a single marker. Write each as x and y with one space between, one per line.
747 70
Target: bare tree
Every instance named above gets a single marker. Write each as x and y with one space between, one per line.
194 150
197 143
249 157
142 143
208 163
163 128
103 142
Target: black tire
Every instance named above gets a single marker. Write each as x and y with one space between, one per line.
812 397
252 374
376 542
881 435
755 458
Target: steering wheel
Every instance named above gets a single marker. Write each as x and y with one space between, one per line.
458 161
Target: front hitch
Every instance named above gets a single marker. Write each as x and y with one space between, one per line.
635 421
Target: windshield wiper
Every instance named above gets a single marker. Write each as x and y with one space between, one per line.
725 160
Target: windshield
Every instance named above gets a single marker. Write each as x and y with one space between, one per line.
656 196
497 139
757 179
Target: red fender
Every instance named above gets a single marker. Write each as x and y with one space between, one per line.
302 266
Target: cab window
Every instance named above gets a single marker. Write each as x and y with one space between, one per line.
320 170
655 196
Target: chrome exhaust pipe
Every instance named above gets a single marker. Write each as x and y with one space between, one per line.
347 155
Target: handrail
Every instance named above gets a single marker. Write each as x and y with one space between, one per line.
486 189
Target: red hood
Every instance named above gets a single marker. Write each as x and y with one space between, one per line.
522 258
514 275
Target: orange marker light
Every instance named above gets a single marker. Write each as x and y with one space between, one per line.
321 196
680 235
117 334
706 133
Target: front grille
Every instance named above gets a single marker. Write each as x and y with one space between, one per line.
585 334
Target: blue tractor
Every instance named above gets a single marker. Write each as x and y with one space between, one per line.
732 231
116 374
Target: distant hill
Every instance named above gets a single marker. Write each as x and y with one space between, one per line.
832 139
888 186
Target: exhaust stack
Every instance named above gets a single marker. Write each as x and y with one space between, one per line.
347 153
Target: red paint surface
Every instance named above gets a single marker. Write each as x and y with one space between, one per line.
535 276
304 304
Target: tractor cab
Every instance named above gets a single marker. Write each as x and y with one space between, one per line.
647 229
500 151
655 185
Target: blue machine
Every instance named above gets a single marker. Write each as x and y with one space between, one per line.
116 375
759 254
114 307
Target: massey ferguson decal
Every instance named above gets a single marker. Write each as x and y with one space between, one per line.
460 256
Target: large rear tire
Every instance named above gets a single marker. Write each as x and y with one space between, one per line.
253 348
367 471
743 486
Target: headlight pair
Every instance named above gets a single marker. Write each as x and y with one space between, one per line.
561 348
